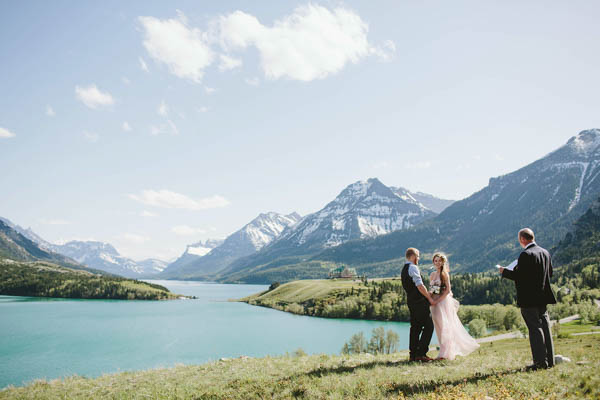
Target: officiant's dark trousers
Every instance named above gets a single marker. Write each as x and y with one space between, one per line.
421 329
540 337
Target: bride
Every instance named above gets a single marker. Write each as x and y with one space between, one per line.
453 338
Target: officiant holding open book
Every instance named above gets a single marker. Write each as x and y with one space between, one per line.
531 274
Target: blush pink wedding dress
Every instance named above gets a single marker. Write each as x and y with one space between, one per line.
453 338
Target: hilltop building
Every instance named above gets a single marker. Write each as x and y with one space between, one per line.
342 272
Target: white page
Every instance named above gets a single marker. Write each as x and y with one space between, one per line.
510 266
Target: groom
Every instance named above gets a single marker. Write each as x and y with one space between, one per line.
418 299
532 280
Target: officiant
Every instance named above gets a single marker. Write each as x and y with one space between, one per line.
531 275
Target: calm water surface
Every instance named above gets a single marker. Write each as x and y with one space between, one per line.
51 338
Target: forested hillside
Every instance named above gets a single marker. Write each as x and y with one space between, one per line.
44 279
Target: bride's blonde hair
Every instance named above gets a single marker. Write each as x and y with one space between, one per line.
445 266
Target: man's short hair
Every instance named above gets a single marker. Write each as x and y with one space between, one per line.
411 251
527 234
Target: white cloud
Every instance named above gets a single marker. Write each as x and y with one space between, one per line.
54 221
228 63
126 80
146 213
168 127
91 137
163 109
92 97
143 65
498 157
5 133
252 81
126 127
168 199
133 238
184 50
50 112
311 43
209 90
184 230
203 109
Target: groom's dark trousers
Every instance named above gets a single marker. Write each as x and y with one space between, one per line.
421 325
421 329
532 280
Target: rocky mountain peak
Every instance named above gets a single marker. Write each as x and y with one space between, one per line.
586 142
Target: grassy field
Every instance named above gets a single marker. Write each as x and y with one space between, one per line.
305 290
577 327
495 370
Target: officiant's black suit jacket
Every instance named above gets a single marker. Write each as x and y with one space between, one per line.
532 277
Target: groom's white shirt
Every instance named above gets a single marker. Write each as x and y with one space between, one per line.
415 274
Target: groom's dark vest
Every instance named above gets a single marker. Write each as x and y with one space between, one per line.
413 296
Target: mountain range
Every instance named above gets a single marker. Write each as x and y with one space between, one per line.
249 239
547 195
364 209
18 247
105 257
368 225
96 255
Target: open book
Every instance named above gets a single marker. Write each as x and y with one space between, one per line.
510 266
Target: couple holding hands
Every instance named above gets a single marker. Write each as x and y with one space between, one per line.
438 308
435 308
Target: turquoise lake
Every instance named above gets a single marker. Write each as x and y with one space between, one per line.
52 338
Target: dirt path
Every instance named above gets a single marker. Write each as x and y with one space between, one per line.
509 335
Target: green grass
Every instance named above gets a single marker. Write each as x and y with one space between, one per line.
577 327
305 290
495 370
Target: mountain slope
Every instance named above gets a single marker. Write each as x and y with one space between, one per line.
364 209
577 256
433 203
15 246
251 238
547 195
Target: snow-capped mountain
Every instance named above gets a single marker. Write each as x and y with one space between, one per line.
249 239
105 257
548 195
152 266
363 209
195 251
201 249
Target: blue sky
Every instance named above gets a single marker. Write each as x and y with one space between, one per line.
152 124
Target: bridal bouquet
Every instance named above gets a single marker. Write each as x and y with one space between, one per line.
435 289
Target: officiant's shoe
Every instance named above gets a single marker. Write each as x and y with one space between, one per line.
535 367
